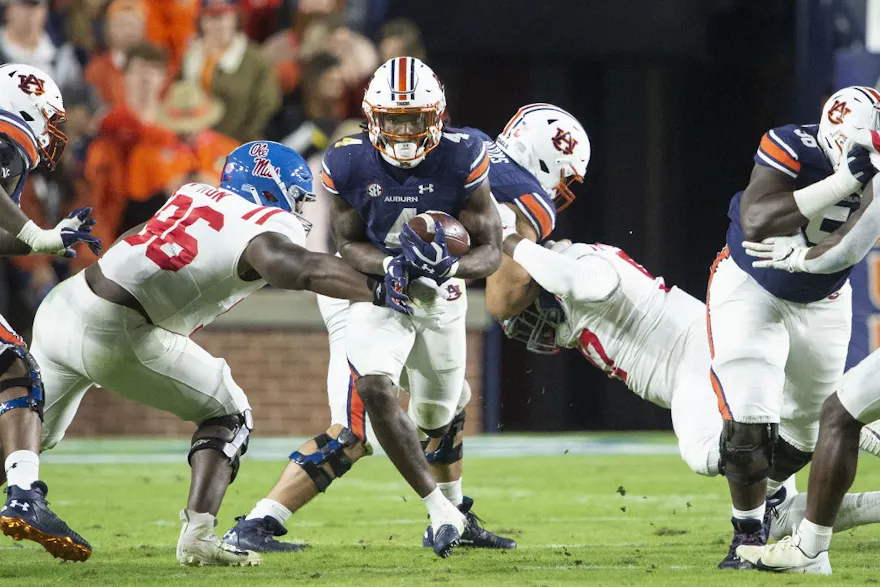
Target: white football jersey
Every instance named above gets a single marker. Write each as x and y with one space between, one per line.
183 266
639 333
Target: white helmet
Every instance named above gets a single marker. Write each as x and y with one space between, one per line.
32 95
846 110
551 144
404 105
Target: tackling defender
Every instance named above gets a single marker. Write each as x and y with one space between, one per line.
596 299
31 110
405 164
541 151
128 317
764 325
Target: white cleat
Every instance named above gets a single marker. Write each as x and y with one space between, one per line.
199 546
785 557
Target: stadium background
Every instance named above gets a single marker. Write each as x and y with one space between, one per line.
674 95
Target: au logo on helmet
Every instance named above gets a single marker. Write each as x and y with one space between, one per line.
563 141
31 84
837 112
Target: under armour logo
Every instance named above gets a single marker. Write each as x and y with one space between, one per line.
426 188
428 268
19 504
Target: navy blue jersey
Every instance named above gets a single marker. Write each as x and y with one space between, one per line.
19 152
386 197
794 150
512 183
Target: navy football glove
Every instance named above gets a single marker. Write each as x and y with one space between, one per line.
425 259
77 228
391 292
858 160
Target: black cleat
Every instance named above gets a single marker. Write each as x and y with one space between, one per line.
258 535
474 535
745 532
26 516
447 539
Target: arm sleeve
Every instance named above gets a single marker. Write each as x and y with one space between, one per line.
588 279
853 247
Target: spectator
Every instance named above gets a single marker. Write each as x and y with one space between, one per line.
312 114
191 152
125 26
123 128
226 64
23 39
400 38
83 21
171 24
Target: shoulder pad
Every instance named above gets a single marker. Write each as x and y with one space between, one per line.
288 225
785 148
12 159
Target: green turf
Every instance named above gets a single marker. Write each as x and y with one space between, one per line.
573 525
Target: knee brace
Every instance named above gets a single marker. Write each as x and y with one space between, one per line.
32 382
238 429
330 451
787 460
447 453
743 447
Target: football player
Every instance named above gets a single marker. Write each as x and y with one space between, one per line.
764 324
405 163
31 110
127 319
596 299
855 401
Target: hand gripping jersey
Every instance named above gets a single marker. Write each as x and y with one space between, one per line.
514 184
386 197
638 334
183 266
794 151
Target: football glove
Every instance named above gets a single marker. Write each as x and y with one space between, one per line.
779 252
431 260
391 291
858 162
76 228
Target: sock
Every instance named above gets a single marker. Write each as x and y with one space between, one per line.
269 507
790 485
441 510
755 514
22 468
772 487
858 509
869 439
452 492
813 538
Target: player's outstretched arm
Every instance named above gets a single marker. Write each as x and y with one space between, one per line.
350 234
511 289
283 264
589 279
840 250
481 220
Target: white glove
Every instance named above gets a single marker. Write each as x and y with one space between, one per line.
508 220
558 247
779 252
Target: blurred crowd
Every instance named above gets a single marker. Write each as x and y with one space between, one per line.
157 93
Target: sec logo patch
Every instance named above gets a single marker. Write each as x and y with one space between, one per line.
374 190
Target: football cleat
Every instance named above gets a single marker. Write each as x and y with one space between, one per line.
745 533
199 546
474 534
258 535
26 516
785 557
448 537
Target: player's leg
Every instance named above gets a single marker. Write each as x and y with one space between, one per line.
378 343
315 464
749 346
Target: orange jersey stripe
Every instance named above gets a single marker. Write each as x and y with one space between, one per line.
480 170
540 214
780 155
725 253
10 337
327 180
22 138
355 407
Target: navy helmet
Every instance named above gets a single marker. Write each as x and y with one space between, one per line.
269 174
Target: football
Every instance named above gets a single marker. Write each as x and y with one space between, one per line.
457 238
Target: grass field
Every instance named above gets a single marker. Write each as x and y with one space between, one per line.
579 519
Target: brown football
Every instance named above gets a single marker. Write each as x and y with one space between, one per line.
457 238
